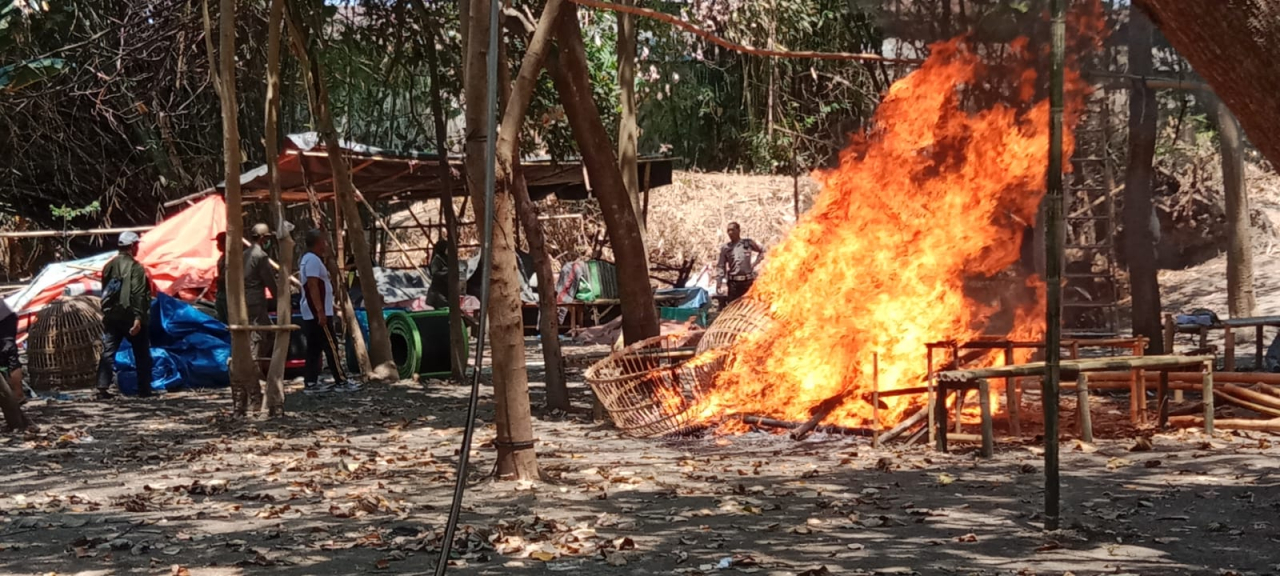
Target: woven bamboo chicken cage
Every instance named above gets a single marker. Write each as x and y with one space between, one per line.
647 392
65 343
745 316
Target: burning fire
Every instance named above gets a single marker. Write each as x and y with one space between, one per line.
923 210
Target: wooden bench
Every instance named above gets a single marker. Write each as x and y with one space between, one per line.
1013 386
1228 328
962 381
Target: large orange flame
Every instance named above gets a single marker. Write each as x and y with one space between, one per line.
932 201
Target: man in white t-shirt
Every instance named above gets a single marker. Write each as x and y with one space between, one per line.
317 317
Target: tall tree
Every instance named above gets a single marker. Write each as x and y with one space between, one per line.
274 393
244 371
1233 46
457 337
548 310
628 131
569 73
508 173
1240 297
1139 216
318 94
513 418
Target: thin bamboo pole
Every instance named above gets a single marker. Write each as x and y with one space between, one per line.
875 398
71 233
1053 266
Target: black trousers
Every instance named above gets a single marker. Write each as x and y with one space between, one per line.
738 289
113 333
9 358
318 344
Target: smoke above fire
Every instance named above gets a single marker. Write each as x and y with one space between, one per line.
931 201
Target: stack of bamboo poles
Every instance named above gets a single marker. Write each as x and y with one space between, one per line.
1254 391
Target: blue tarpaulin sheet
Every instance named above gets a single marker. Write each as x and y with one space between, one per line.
693 297
189 349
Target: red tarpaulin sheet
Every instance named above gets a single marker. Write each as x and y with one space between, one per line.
179 254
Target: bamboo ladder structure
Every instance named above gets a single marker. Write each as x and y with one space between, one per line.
1091 221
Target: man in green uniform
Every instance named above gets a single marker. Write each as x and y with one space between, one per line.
220 283
126 306
259 277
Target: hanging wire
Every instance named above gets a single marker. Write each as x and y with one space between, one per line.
486 261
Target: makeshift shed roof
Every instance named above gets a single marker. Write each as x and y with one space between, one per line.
382 175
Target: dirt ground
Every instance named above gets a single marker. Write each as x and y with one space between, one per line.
360 484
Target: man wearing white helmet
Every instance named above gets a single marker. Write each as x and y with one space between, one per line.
126 306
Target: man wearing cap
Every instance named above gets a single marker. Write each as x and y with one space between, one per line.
126 305
259 276
220 283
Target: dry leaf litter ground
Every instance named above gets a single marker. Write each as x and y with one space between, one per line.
360 485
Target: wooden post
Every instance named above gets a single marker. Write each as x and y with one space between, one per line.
795 182
1142 395
1208 397
1204 337
648 173
988 426
930 383
1133 397
1162 400
1053 203
940 412
1259 338
1170 330
1228 349
961 392
1082 405
875 399
1013 396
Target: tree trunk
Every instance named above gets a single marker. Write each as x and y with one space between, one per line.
336 262
1240 298
458 341
509 178
548 311
1233 46
244 371
569 72
10 405
513 419
1139 220
274 393
379 337
628 132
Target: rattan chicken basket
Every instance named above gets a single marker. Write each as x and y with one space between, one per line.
745 316
648 391
64 344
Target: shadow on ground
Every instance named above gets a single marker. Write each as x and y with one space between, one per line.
360 484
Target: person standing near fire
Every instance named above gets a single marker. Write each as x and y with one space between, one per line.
736 266
126 308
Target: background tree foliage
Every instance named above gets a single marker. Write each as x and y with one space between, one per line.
111 102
